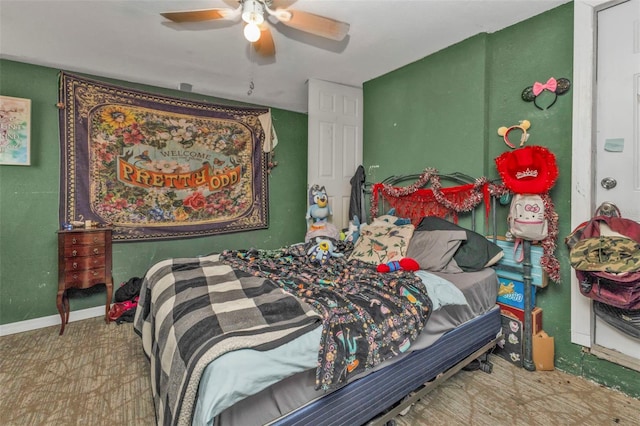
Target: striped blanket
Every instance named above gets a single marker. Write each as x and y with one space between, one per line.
203 309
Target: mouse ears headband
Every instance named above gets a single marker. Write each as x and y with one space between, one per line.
558 87
523 126
528 169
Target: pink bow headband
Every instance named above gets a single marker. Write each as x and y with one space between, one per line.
557 87
550 85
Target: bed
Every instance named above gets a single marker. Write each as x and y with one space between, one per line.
257 336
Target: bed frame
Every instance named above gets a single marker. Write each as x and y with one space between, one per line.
411 378
406 381
376 396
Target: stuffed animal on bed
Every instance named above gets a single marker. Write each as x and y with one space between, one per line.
391 217
405 264
353 231
322 250
319 209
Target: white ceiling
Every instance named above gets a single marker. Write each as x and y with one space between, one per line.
129 40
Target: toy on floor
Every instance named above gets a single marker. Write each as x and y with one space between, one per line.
319 209
405 264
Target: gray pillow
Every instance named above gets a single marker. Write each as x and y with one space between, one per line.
474 254
434 250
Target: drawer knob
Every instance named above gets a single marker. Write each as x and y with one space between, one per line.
96 251
74 241
74 253
75 276
94 273
95 239
75 265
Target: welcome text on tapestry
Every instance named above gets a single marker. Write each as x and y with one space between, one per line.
214 179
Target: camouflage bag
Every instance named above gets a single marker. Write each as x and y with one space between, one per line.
606 254
607 266
608 270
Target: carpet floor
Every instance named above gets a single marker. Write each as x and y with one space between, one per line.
96 374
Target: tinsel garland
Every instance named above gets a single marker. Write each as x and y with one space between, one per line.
481 189
548 261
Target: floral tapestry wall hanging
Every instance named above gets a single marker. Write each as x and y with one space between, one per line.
157 167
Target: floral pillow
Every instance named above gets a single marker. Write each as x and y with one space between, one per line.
382 243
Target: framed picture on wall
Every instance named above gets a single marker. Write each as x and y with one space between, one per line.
15 128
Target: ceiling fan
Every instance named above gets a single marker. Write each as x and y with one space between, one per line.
255 14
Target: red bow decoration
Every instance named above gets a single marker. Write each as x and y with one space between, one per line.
533 208
550 85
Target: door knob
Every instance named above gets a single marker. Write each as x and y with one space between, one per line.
608 183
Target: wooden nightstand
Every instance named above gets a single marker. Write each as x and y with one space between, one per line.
84 260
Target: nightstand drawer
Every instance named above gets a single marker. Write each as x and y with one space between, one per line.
84 260
82 251
82 263
82 239
84 279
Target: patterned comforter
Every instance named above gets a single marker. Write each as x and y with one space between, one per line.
368 316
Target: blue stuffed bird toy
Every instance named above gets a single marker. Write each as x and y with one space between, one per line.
322 250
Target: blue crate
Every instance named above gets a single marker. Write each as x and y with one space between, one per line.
511 292
538 276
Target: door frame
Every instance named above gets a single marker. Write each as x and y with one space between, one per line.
583 145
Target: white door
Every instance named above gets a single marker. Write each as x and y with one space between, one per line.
617 171
335 143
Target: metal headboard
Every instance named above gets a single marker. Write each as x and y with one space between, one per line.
456 178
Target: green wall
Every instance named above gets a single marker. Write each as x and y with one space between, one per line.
444 110
428 114
29 200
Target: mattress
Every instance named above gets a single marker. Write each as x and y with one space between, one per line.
479 289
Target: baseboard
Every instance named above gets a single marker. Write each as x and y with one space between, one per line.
36 323
614 356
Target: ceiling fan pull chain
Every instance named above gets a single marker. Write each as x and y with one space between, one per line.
251 72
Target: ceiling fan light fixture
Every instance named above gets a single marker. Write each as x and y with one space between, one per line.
252 12
256 31
251 32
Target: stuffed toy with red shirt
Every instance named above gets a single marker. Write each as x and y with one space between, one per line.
404 264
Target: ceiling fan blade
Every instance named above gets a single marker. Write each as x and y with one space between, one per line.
199 15
281 4
314 24
265 45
